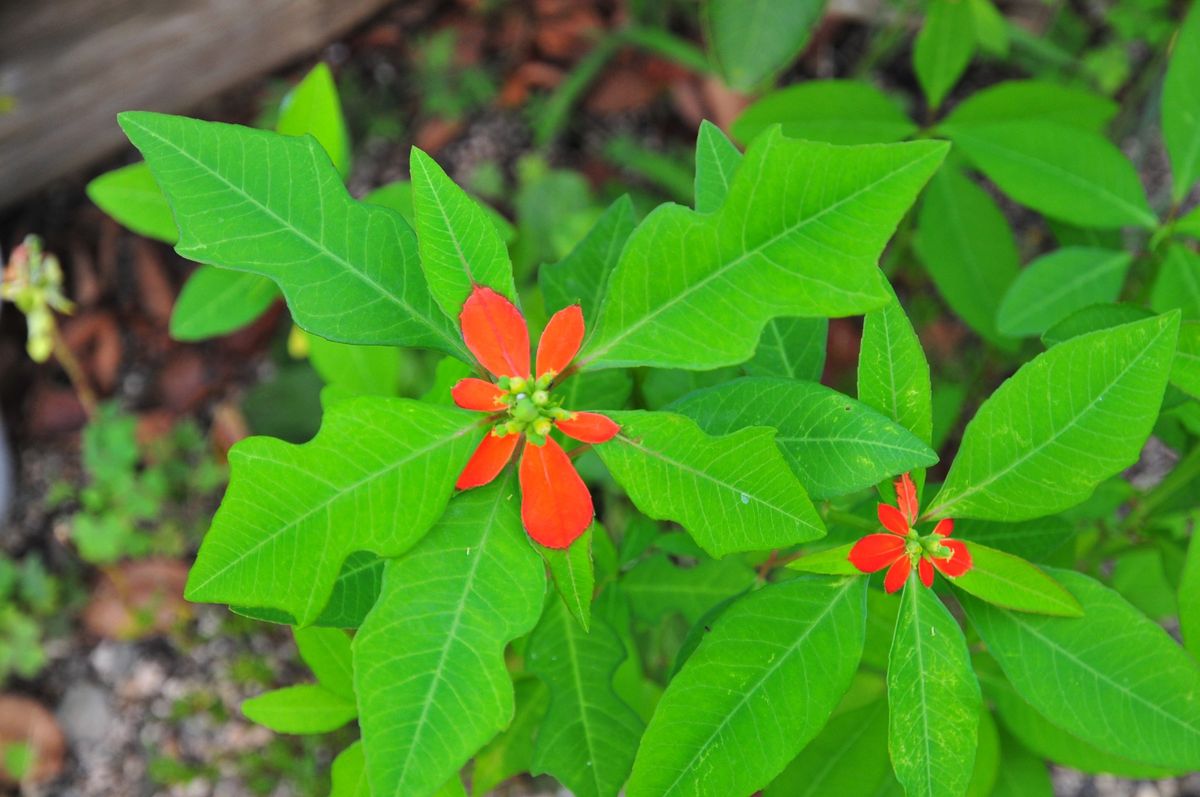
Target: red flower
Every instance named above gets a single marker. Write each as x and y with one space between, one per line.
556 506
903 547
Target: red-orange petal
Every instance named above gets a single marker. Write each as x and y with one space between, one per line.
897 574
556 506
944 527
906 498
876 551
488 460
495 332
925 571
477 394
892 519
957 563
590 427
560 340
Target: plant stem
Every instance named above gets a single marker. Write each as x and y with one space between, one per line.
79 380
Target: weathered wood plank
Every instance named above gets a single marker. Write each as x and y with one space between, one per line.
69 66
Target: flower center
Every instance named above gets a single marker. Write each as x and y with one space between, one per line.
531 408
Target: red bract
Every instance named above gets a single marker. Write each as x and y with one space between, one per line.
903 547
556 506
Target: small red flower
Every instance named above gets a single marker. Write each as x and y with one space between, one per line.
556 506
903 547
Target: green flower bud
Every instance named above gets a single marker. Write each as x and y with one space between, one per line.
524 410
540 397
518 384
542 426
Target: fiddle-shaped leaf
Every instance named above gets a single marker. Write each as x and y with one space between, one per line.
761 684
799 234
375 478
1064 422
273 205
429 660
731 493
589 735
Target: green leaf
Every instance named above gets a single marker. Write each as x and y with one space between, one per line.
1181 107
893 375
799 235
1178 283
658 588
793 348
761 684
1185 371
1092 319
349 773
301 709
429 660
943 48
1064 422
1029 539
987 757
933 697
1062 171
326 651
1189 598
1032 100
832 562
732 493
836 111
1023 773
1012 583
582 275
716 161
574 575
1045 738
273 205
991 28
511 752
215 301
752 42
375 478
588 738
313 108
1057 285
834 444
361 370
966 245
354 593
1132 690
132 197
460 246
1189 223
848 758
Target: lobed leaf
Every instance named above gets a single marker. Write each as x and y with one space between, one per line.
375 478
834 444
273 205
589 736
759 687
799 234
429 660
731 493
1067 420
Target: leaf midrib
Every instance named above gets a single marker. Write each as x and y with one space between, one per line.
455 344
746 254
